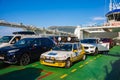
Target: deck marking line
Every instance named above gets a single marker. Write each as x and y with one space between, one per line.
41 77
73 70
63 76
86 62
91 60
21 68
34 64
94 58
98 56
81 66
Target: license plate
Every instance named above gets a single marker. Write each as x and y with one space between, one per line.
1 57
50 61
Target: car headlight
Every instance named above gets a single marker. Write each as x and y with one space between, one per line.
12 51
52 58
42 56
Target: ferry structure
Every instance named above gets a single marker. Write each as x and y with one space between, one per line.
110 29
113 16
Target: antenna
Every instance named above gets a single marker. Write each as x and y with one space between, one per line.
118 4
114 4
111 5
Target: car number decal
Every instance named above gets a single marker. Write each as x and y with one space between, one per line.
76 53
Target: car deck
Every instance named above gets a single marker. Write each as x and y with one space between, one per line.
98 67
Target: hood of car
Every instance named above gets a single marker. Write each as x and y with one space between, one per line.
7 48
56 53
87 44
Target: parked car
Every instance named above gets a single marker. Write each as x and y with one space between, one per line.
117 41
63 55
108 40
25 50
10 40
94 46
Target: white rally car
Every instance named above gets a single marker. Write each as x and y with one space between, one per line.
63 55
94 46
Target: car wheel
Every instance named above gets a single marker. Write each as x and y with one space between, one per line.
24 60
96 51
68 63
84 57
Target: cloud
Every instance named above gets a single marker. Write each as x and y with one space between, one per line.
98 18
89 24
94 21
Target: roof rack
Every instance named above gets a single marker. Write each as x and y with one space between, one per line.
24 33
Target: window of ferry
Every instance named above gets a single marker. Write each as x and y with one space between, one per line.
110 17
118 17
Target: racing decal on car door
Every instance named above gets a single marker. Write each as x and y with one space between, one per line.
76 53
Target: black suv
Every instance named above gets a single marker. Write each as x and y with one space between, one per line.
25 50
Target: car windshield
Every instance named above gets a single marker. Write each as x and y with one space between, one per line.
63 47
5 39
88 41
25 41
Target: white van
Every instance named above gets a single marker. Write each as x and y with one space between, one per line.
9 40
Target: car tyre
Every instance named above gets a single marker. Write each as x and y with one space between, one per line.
68 63
24 60
96 51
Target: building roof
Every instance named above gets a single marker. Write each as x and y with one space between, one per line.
113 11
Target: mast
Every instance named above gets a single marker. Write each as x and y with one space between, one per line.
114 4
111 5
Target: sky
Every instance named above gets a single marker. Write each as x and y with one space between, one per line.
45 13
